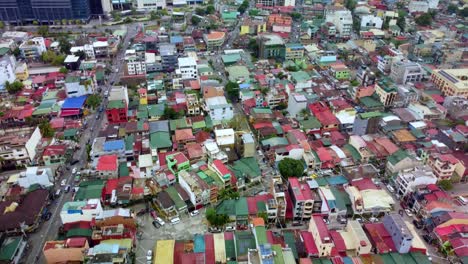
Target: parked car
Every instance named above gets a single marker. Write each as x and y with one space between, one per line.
149 255
194 213
214 230
74 170
74 162
67 188
63 182
175 221
156 224
160 221
230 228
408 212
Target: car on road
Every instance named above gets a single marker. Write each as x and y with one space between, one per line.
149 255
175 221
418 224
74 170
67 189
156 224
74 162
97 116
63 182
408 212
214 230
106 93
194 213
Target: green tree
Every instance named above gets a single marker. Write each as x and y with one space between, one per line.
354 83
243 7
43 31
154 15
200 11
290 168
13 87
195 20
216 219
350 4
35 23
296 16
401 22
2 25
464 12
46 129
227 194
452 9
170 113
93 101
64 21
63 70
210 9
232 89
58 60
424 19
128 20
17 52
445 185
65 45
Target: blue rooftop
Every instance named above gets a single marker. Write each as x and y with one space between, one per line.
106 249
328 59
337 180
244 86
199 244
176 39
114 145
74 102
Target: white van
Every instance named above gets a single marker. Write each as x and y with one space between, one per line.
175 221
390 188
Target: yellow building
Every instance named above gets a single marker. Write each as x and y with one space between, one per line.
452 82
21 72
164 252
252 27
143 96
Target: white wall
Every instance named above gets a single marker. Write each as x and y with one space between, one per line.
32 143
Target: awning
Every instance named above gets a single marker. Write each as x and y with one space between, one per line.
69 112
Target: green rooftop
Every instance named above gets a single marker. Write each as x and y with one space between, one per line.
368 115
8 248
175 196
178 124
310 123
160 139
79 232
72 79
89 190
156 110
370 102
260 231
241 207
123 169
397 157
278 257
262 111
246 167
290 242
116 104
300 76
231 58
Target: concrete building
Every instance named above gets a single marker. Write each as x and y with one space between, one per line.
387 92
321 236
296 103
360 242
77 86
35 175
443 165
371 21
61 251
187 68
80 211
452 82
32 49
401 235
151 4
19 148
197 189
408 180
302 199
168 53
403 72
219 109
7 72
293 51
101 48
214 40
135 65
341 18
271 46
418 6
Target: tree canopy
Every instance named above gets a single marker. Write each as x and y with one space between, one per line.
43 31
446 185
243 7
232 89
13 87
46 129
170 113
424 19
290 168
216 219
93 101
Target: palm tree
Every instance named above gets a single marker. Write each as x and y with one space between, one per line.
304 113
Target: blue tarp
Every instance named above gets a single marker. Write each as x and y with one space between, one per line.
74 102
114 145
336 180
244 85
176 39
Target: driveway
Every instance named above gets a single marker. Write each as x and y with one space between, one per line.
186 229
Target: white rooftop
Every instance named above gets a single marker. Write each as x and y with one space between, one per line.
187 61
71 59
100 44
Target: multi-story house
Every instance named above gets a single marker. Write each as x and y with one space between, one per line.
403 72
219 109
362 245
117 107
223 173
276 209
193 104
371 21
35 175
408 180
341 18
321 236
252 27
107 167
397 228
302 199
55 154
296 104
168 53
135 64
177 162
7 71
187 68
387 92
302 80
101 49
32 49
19 148
197 189
80 211
443 165
270 46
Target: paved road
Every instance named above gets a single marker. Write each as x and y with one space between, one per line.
48 231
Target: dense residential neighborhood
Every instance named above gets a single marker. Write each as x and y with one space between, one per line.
256 132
